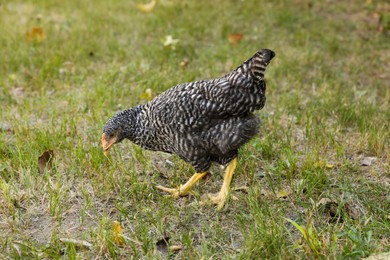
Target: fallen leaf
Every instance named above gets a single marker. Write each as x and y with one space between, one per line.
175 248
184 63
283 194
235 38
36 34
12 77
147 8
117 233
147 95
329 166
322 164
367 161
170 42
44 161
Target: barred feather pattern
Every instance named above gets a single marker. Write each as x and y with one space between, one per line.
204 121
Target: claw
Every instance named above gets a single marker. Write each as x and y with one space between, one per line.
176 193
218 199
184 189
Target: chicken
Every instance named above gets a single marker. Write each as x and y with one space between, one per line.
202 122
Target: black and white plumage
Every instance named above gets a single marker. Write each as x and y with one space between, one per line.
203 122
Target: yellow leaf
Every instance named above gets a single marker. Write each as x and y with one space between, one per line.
36 34
282 194
170 42
12 77
322 164
147 95
329 166
117 233
147 8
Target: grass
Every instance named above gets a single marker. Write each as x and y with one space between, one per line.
301 187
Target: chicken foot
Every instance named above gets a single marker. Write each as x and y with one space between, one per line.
184 189
220 198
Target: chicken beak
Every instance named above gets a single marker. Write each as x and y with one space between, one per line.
107 144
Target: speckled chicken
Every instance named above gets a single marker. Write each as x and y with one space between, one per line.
202 122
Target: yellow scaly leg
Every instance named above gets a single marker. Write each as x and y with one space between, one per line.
183 189
220 198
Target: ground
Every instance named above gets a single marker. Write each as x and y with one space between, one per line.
314 183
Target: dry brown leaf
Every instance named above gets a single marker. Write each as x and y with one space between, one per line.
117 233
175 248
36 34
147 8
235 38
184 63
44 161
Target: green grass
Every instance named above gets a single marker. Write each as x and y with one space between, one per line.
302 191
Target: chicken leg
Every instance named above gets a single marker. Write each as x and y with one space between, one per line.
221 197
185 189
